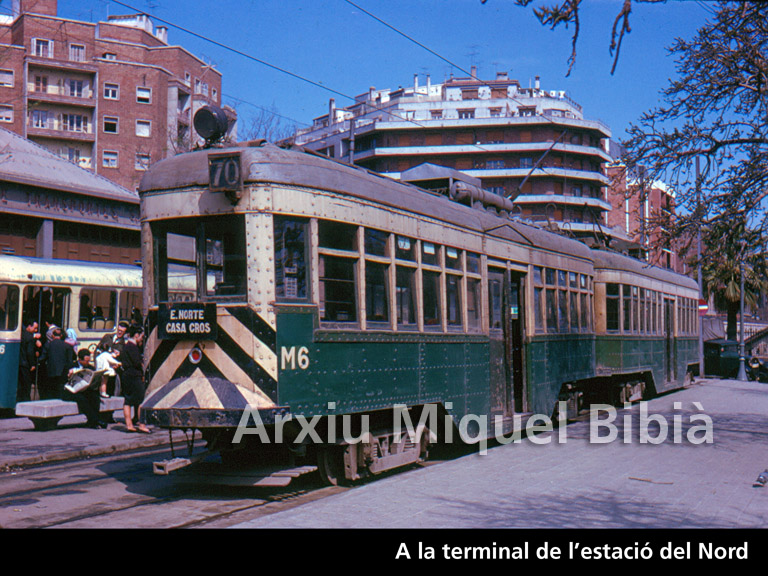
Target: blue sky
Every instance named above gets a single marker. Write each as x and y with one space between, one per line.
335 44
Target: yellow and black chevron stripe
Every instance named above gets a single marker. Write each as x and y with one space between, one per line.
236 371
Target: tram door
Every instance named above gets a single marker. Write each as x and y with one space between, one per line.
505 308
514 342
669 338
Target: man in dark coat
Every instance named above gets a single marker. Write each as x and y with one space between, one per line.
30 343
59 357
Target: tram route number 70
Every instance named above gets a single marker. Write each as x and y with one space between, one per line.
290 358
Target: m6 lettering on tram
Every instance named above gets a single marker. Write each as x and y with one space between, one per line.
289 357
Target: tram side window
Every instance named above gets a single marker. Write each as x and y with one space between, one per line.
290 259
376 292
612 307
537 282
404 298
97 309
337 270
377 270
453 299
627 298
405 282
48 305
130 305
9 307
551 302
495 283
431 284
473 304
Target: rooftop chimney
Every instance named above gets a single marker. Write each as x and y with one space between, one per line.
502 76
429 84
537 83
473 71
415 82
332 111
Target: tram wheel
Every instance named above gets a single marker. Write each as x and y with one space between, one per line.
330 465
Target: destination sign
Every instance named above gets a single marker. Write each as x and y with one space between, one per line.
187 321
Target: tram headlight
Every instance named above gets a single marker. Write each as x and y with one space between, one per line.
195 355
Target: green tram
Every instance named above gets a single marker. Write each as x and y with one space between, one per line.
323 290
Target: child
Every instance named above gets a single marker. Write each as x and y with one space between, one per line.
107 361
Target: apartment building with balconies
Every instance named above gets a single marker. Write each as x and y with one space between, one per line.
112 97
530 145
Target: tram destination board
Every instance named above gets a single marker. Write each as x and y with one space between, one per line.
187 320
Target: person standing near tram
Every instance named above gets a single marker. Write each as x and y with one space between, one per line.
30 347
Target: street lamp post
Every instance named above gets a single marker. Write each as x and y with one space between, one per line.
742 368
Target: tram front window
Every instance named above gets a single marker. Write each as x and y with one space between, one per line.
201 259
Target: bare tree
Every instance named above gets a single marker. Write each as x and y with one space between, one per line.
266 124
566 12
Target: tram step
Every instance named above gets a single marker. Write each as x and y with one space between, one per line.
216 473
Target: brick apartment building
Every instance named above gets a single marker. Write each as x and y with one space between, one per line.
527 144
112 97
638 212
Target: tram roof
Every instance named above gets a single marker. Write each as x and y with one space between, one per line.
605 260
24 162
67 272
269 163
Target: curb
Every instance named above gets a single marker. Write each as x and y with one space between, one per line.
79 454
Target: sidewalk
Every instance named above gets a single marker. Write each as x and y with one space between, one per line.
580 484
21 445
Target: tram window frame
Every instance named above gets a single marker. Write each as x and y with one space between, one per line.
406 287
293 250
339 250
202 230
125 299
10 306
626 317
331 316
433 322
495 299
377 297
91 317
454 307
60 313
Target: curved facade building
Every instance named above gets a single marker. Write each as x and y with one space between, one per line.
527 144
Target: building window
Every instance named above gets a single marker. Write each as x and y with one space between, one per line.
111 91
466 114
76 88
111 124
41 119
143 95
436 114
42 48
526 162
198 86
109 159
110 56
142 161
77 52
528 112
6 78
143 128
41 83
495 112
187 78
6 113
494 164
74 123
214 95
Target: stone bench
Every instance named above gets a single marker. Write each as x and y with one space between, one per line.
45 414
